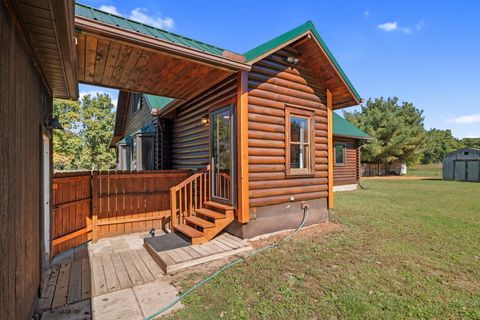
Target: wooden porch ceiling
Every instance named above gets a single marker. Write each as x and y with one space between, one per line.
113 57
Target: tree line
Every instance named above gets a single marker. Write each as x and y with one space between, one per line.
396 130
398 134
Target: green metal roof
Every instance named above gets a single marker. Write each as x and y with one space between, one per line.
342 127
289 35
149 128
121 22
157 102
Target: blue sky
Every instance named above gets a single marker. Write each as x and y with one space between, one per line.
425 52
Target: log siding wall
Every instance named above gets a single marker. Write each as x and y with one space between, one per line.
273 85
24 103
349 173
190 139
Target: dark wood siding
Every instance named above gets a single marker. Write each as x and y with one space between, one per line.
137 120
273 85
23 105
190 139
349 173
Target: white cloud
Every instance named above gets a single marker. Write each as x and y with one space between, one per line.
141 15
366 13
419 26
92 93
395 26
388 26
110 9
472 118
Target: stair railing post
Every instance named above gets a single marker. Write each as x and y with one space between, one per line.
173 207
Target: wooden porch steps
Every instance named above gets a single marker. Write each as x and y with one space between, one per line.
200 222
210 214
188 231
206 223
217 205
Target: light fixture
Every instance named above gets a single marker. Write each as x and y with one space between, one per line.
53 123
292 60
204 120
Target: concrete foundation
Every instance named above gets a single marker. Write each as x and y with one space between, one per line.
346 187
279 217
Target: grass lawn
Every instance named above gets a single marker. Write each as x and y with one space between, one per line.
407 250
426 170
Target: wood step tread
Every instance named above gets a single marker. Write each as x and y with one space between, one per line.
188 231
210 213
218 205
200 222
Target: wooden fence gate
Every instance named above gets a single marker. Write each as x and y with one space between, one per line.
93 205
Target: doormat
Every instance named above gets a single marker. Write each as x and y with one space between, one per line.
166 242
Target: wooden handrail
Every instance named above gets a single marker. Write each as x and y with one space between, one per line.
191 178
189 195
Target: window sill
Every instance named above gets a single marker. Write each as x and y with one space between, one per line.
291 175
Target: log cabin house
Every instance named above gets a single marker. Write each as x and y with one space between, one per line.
347 141
259 142
254 128
142 142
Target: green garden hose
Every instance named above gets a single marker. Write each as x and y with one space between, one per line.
229 265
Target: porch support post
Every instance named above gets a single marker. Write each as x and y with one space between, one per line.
243 214
330 148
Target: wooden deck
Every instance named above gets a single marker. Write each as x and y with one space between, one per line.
177 259
78 276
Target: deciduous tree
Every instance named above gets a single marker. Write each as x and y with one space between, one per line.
88 128
438 144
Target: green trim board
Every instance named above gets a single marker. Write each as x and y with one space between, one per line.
295 32
157 102
128 24
342 127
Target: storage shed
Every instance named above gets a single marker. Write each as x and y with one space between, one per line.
462 165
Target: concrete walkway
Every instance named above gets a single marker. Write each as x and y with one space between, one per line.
125 282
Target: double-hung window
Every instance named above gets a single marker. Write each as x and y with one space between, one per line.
298 141
339 149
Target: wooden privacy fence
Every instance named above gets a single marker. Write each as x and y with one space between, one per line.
71 210
94 205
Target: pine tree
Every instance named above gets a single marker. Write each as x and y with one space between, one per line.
397 130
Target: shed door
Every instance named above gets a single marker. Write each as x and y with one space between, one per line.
460 170
473 170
